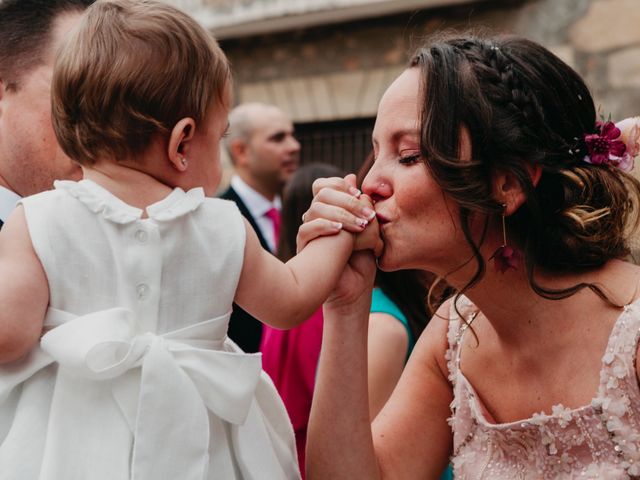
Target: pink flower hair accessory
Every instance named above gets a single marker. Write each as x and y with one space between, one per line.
615 144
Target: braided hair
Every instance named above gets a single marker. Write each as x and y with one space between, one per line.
522 106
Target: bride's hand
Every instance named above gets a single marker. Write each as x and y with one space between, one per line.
338 201
353 290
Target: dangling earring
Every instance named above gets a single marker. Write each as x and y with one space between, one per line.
505 257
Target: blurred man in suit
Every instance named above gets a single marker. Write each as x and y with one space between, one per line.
30 159
265 154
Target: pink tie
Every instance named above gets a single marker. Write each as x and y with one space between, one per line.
274 216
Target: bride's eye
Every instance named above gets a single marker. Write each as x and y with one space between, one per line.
409 159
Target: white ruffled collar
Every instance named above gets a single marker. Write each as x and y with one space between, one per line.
100 200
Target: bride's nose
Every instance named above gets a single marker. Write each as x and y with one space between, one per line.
376 186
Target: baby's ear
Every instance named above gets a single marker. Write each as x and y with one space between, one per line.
179 141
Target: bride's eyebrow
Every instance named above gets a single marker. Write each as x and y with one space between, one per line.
397 135
410 132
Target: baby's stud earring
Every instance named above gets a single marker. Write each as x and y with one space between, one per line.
184 162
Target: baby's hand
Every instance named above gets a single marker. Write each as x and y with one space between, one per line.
369 238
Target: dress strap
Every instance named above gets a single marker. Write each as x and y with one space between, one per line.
460 313
618 399
619 360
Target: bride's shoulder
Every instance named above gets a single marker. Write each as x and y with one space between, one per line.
619 280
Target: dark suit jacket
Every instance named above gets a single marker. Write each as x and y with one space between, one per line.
245 330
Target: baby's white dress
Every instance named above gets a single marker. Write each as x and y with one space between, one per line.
135 377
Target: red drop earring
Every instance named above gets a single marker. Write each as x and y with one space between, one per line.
505 257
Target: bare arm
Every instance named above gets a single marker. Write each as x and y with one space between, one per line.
284 295
387 344
417 412
342 444
24 295
339 439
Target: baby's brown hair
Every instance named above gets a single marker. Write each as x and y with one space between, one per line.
129 72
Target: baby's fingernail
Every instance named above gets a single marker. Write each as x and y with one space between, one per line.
354 191
336 225
361 222
368 213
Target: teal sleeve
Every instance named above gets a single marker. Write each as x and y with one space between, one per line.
380 303
447 474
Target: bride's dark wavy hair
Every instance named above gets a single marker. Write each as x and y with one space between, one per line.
523 106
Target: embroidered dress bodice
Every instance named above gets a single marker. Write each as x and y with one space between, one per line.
134 377
598 441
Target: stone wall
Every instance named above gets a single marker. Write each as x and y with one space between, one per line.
339 71
606 42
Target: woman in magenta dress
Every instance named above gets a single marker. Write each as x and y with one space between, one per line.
290 357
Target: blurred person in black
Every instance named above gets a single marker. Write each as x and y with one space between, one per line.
265 154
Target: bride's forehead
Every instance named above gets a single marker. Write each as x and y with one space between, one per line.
398 110
397 123
405 88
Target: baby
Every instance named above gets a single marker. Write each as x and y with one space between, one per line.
131 274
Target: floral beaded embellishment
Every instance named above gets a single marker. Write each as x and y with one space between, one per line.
600 440
613 406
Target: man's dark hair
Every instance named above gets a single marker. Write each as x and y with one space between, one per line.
25 34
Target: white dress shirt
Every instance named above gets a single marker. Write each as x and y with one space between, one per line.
258 205
8 200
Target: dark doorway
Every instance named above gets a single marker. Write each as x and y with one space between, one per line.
344 143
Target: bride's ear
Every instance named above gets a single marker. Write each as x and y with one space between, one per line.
508 191
179 142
